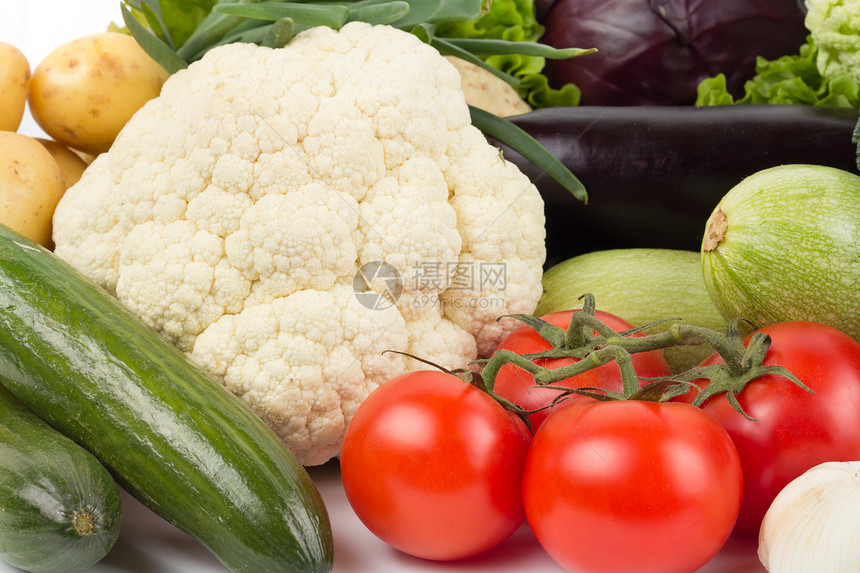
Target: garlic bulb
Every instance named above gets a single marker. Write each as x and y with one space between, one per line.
814 523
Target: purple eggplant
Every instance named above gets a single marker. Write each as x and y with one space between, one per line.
654 174
656 52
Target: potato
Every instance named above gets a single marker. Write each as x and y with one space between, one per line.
85 91
14 80
72 165
31 185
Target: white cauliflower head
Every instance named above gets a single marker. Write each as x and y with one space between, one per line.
284 216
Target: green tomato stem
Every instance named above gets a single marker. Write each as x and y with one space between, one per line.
593 343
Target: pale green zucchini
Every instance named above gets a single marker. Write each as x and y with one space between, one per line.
784 244
640 286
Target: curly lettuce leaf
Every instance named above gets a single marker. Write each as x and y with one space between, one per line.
504 19
792 80
835 27
536 91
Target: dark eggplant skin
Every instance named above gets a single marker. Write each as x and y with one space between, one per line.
655 174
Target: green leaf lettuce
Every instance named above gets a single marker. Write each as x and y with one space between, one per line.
515 21
791 79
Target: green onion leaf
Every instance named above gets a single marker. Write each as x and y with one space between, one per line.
445 46
209 33
151 10
494 46
244 35
429 11
523 143
333 15
384 13
280 33
157 49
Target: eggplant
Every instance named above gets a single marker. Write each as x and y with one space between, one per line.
654 174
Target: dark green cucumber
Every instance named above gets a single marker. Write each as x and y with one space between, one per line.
60 510
173 437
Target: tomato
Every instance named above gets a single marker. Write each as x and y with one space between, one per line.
515 384
629 485
794 429
433 466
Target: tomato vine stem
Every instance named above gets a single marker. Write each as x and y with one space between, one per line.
593 343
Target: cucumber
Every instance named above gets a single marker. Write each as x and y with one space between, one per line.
173 437
784 244
60 510
640 286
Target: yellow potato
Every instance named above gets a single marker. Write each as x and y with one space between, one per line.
31 185
72 165
14 79
85 91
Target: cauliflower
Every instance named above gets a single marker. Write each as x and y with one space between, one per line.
285 216
835 29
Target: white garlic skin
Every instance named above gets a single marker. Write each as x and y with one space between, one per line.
813 525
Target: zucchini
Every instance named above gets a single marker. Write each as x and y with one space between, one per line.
641 286
60 510
654 174
172 436
784 244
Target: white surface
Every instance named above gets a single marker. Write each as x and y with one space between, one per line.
147 544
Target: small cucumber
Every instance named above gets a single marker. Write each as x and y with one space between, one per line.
173 437
640 286
784 244
60 510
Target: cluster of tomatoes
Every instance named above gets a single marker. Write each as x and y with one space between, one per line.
438 469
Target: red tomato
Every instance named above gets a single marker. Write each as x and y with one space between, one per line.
518 386
621 486
794 430
433 466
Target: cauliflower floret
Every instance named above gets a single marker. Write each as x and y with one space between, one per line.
304 362
284 216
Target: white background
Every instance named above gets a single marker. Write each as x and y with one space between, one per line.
147 544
